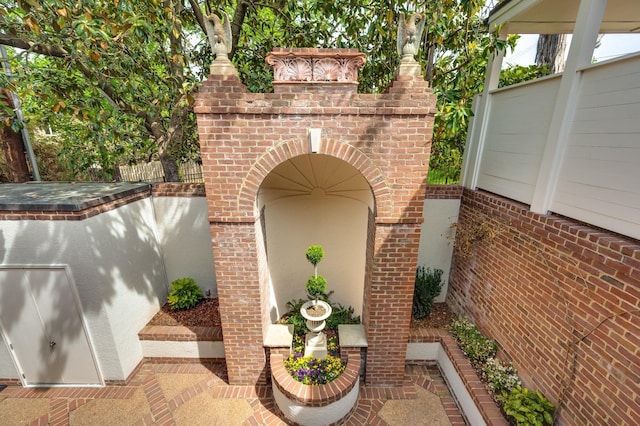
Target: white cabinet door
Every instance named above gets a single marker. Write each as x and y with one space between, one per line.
42 323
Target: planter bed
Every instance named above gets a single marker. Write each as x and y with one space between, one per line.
313 405
472 398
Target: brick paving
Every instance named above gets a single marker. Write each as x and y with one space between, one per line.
72 405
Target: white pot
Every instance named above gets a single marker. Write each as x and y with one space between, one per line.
307 305
315 324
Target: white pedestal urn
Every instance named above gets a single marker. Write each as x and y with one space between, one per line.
316 312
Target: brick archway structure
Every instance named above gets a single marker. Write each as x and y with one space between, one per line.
300 146
387 137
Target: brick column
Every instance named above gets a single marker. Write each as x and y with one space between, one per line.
237 271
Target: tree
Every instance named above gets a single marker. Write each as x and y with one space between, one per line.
11 139
551 51
116 69
118 77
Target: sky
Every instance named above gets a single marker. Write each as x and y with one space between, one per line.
612 45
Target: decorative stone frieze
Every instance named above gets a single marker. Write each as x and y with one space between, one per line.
315 65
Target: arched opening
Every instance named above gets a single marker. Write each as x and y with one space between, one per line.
315 199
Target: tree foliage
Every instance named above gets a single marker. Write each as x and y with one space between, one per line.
114 75
115 79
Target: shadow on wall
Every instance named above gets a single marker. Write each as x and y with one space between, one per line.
315 199
114 261
185 238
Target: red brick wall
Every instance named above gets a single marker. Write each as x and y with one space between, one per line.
551 291
177 189
386 137
444 192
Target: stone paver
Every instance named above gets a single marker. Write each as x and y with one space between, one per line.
192 394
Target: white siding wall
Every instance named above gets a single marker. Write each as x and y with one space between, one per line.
600 176
185 238
516 134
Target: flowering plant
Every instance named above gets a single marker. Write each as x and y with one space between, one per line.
475 346
314 371
500 376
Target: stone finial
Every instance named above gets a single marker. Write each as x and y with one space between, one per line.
219 34
220 39
410 34
408 43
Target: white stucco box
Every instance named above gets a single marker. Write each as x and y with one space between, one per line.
105 235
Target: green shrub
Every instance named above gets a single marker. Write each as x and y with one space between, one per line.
184 293
427 287
341 315
316 286
527 407
500 376
474 345
314 254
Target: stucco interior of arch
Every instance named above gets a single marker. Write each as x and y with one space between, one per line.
314 199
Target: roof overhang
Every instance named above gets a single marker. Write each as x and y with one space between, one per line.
559 16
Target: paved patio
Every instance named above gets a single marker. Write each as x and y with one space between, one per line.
198 394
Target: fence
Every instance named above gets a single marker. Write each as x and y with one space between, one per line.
152 172
191 172
443 177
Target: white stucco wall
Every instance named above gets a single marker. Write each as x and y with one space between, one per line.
339 225
35 242
7 369
167 349
436 238
185 239
116 265
129 264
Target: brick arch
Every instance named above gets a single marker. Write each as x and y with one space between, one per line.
293 148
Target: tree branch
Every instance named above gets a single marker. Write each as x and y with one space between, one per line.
43 49
236 24
199 15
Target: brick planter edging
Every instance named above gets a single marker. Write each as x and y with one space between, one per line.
179 344
181 333
490 412
314 395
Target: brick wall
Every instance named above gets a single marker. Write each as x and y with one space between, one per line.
243 136
177 189
563 301
444 192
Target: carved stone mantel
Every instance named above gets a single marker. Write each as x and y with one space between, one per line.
308 65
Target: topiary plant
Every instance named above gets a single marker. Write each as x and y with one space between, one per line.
314 255
316 284
184 293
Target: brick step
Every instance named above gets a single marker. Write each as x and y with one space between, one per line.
168 344
180 333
